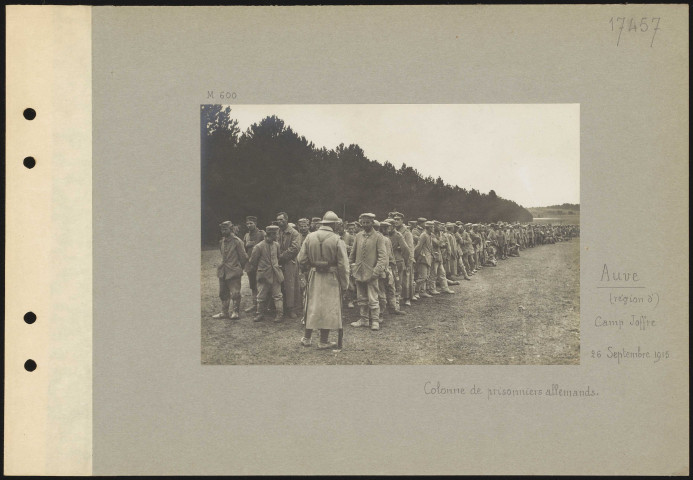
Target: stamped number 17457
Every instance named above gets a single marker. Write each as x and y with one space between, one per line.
646 23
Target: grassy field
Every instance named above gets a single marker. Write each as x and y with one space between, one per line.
556 215
525 311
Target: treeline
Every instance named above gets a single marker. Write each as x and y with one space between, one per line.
270 168
566 206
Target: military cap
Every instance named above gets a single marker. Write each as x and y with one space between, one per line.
429 223
302 221
367 215
386 222
412 222
390 214
315 219
397 215
227 223
421 220
251 219
449 224
459 222
271 228
329 217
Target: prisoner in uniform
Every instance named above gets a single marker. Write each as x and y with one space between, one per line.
229 272
303 227
289 244
350 292
416 231
467 250
303 230
265 260
451 265
389 284
423 253
324 255
459 230
476 243
500 238
252 238
437 274
368 261
405 259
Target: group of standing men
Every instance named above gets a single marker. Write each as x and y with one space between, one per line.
311 269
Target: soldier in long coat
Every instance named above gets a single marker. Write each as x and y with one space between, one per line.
368 261
229 272
289 245
265 261
323 255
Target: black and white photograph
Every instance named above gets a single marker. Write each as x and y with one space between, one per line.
390 234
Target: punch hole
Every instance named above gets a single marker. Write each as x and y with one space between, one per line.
29 113
29 317
30 365
29 162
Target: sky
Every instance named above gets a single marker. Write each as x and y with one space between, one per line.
528 153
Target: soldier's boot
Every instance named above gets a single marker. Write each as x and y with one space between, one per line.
324 340
375 324
253 307
279 306
224 310
261 308
363 320
236 309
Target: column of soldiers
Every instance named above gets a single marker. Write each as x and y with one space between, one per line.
311 269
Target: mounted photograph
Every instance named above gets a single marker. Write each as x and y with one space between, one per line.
388 234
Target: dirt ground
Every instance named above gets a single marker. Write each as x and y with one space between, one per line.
525 311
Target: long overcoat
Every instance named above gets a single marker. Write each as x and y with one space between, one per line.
323 307
289 245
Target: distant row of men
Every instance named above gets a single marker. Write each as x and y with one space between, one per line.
313 268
